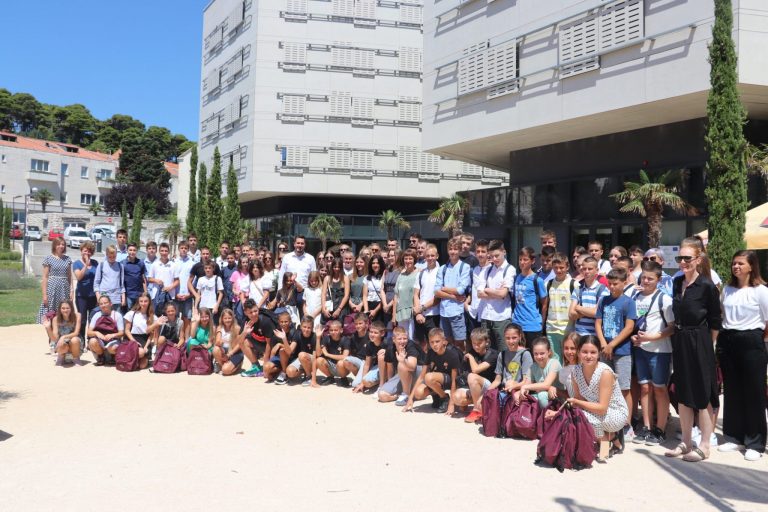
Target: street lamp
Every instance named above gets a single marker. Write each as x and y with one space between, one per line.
13 206
25 244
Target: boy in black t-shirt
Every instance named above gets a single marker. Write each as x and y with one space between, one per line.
256 338
330 350
282 349
356 344
403 359
441 367
375 367
478 372
303 344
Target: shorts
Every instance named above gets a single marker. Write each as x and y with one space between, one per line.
446 382
237 358
454 327
372 377
275 360
258 348
393 385
332 368
355 361
111 344
652 367
622 366
421 331
185 307
297 364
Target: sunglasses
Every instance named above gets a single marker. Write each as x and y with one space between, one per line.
686 259
649 258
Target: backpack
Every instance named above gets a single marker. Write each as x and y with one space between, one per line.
520 277
199 361
100 272
167 358
492 404
642 322
568 441
127 356
522 418
106 324
442 276
541 422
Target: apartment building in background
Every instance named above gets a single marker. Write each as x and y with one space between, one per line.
318 106
573 97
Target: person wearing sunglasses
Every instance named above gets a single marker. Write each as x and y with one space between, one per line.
665 282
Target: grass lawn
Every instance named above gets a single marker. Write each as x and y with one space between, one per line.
10 265
19 306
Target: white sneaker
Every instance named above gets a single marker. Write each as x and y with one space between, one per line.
730 447
752 455
401 400
696 436
713 440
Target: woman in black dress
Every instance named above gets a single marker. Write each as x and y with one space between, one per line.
696 304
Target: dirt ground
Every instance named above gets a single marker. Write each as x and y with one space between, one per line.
91 438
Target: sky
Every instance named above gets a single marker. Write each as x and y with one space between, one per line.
134 57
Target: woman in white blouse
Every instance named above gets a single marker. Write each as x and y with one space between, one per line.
743 357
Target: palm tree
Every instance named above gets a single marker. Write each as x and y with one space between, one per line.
95 208
757 160
450 213
648 197
390 220
326 227
43 196
173 231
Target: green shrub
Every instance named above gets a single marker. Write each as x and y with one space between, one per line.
10 256
10 280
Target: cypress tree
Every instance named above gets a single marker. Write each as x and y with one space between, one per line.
201 219
138 213
726 168
232 228
192 208
124 217
4 235
215 206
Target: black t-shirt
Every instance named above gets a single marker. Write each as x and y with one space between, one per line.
303 344
356 344
263 330
445 362
372 351
411 350
289 336
198 269
332 346
491 356
470 259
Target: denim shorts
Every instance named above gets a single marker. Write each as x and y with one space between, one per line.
622 366
185 307
393 385
332 368
296 363
372 377
652 367
355 361
454 327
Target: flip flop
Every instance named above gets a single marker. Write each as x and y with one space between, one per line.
695 455
679 450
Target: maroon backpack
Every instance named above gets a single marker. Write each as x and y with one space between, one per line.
586 441
127 356
199 361
491 413
507 410
553 405
522 419
167 359
105 325
549 450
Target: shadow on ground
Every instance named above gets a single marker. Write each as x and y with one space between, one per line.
716 483
5 396
571 505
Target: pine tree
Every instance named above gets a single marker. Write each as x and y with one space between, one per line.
201 219
138 213
726 168
4 235
124 217
192 208
215 206
231 226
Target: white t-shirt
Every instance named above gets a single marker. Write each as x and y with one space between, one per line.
653 321
166 272
300 266
496 310
425 283
746 308
478 283
374 287
138 322
209 287
269 282
255 291
603 267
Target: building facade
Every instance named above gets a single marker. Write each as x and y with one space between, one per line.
315 101
573 97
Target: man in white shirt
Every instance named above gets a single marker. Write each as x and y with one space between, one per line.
426 309
299 263
221 259
193 251
163 274
474 303
496 310
184 302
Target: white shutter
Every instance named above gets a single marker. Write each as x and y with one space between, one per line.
408 159
236 64
482 45
410 59
361 160
225 117
233 158
293 108
296 6
411 14
297 156
295 53
342 57
236 17
339 156
578 39
409 112
362 111
501 63
214 80
471 169
343 8
363 59
430 163
215 37
472 72
365 10
341 104
621 22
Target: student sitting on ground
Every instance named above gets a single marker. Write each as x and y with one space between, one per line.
405 358
543 375
481 362
256 339
304 343
439 372
63 333
141 327
356 344
282 349
514 364
375 367
227 356
202 330
330 352
570 360
104 331
171 327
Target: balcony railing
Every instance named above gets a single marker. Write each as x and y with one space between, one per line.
47 177
104 182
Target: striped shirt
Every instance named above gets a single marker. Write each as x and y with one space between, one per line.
588 297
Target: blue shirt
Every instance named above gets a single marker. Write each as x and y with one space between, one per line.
588 297
226 274
122 254
526 312
134 274
85 285
614 313
450 276
109 281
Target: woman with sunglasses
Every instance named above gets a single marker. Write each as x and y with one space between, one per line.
270 275
696 306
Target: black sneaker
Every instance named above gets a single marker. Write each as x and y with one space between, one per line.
436 401
99 360
443 408
327 380
641 435
656 437
343 382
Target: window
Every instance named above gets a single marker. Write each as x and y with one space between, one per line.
84 172
101 200
87 199
65 169
105 174
39 165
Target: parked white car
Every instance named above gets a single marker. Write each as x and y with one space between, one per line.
101 231
73 237
34 233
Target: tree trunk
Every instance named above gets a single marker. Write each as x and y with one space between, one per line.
654 227
325 243
390 230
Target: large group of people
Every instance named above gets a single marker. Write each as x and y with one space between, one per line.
618 338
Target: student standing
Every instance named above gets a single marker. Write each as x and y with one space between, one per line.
164 275
426 307
184 299
559 291
210 290
403 299
584 298
373 288
530 296
451 287
496 302
84 271
596 250
473 305
109 280
134 273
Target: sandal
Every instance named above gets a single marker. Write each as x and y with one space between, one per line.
680 449
695 455
618 436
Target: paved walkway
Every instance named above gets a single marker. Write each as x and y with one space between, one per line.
93 438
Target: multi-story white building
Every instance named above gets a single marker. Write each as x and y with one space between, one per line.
317 100
76 177
572 97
